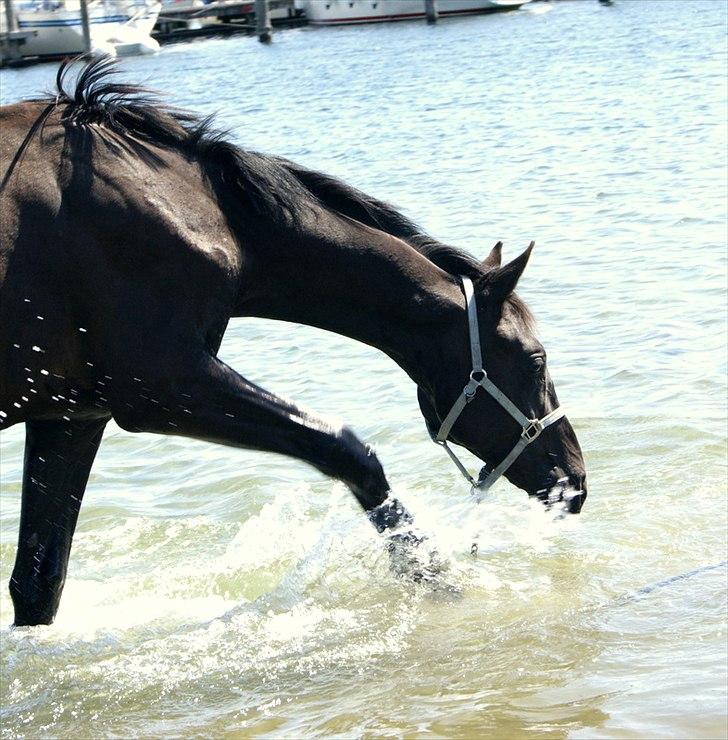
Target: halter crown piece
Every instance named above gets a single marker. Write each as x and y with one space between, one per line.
530 428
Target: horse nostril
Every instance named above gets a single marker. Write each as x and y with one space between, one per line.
576 502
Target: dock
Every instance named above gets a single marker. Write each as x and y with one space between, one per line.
11 43
220 18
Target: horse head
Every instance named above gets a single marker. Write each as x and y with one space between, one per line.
508 413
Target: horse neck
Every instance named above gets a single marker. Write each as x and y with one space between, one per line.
362 283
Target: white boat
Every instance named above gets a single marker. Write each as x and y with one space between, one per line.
117 27
343 12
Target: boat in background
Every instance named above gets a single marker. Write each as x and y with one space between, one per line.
345 12
117 27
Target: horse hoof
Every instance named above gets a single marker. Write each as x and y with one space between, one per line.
404 540
389 515
409 559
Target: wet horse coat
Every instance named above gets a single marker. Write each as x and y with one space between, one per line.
130 233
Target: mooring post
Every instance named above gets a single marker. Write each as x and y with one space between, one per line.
11 22
86 27
262 21
13 52
431 11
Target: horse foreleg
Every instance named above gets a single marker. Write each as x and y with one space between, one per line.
58 459
212 402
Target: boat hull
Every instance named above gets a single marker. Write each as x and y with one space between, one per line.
58 32
350 12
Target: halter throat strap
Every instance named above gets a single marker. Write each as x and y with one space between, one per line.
530 428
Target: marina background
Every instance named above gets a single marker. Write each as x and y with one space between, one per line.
220 593
32 31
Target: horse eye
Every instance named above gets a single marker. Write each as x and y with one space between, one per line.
538 362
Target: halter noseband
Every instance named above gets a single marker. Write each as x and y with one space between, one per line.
530 428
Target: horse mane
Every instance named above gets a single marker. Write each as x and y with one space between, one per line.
139 117
349 201
272 186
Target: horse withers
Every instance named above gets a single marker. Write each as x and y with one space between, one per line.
130 233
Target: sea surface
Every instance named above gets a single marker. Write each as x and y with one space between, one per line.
223 593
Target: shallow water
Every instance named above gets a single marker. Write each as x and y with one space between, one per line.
221 593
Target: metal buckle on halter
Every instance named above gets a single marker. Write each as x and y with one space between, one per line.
473 384
476 377
532 431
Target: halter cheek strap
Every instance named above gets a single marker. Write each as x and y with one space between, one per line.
530 428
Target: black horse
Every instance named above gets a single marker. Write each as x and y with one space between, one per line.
131 232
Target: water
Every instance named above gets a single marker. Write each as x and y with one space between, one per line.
221 593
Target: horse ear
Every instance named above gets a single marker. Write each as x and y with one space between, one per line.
494 258
504 281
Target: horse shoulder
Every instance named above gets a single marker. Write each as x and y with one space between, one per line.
169 213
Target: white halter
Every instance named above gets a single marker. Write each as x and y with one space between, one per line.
531 428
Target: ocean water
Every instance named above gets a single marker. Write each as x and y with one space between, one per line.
221 593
